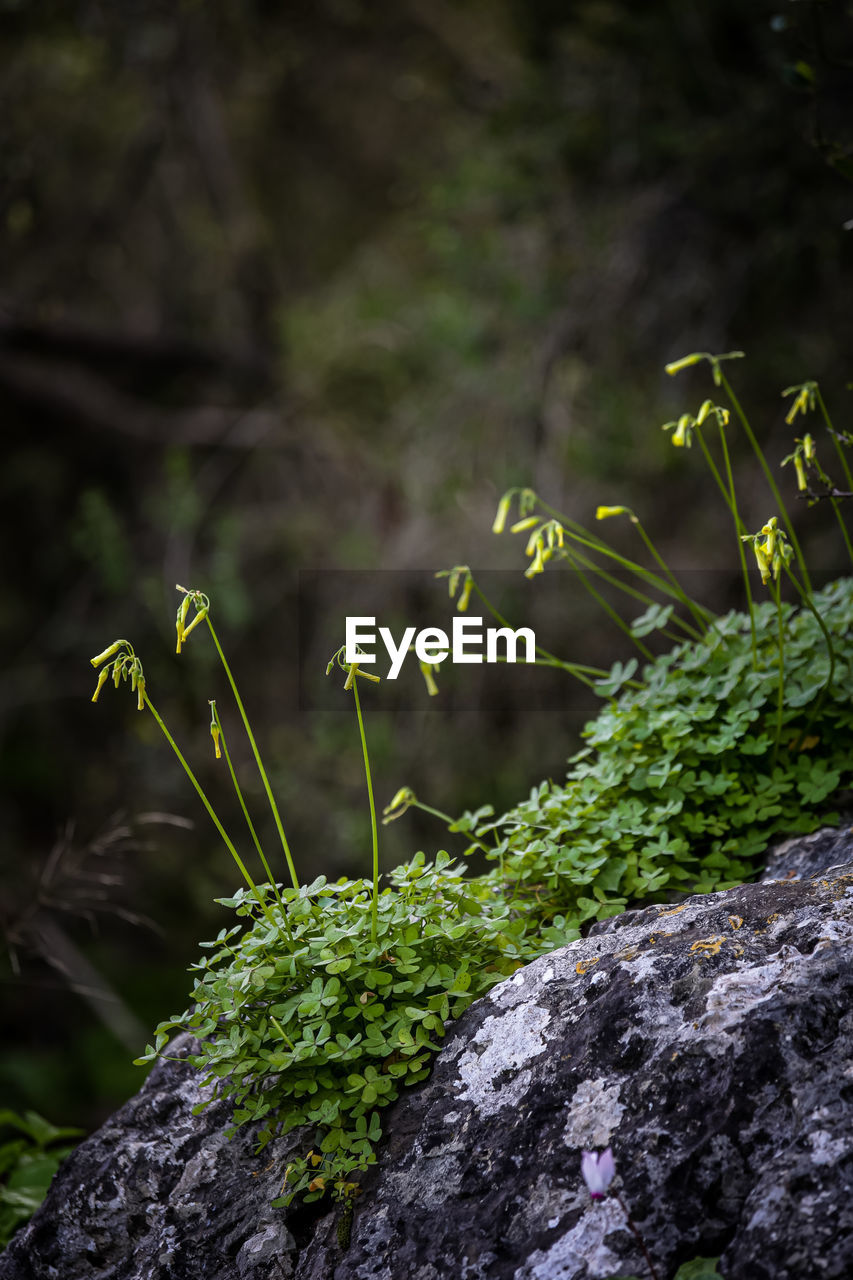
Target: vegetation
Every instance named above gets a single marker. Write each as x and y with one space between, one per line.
31 1150
262 264
333 996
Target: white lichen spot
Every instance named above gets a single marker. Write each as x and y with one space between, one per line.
595 1113
502 1045
434 1177
640 966
736 993
825 1148
582 1251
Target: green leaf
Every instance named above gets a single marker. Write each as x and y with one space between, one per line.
698 1269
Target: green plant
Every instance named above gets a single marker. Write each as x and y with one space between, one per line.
28 1160
326 999
677 787
323 1025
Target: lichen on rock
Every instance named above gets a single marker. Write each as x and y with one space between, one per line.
711 1045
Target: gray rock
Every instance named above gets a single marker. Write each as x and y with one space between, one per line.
158 1191
805 856
710 1044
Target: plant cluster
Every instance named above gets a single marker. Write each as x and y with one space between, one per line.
313 1019
326 999
31 1150
680 785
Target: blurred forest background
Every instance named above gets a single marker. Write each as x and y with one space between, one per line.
290 294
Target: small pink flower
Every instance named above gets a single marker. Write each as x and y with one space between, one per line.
598 1169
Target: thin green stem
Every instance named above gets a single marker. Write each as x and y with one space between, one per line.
219 827
448 822
668 585
739 529
838 449
611 612
807 600
586 563
843 527
281 1031
780 695
373 827
592 542
730 499
768 474
264 779
699 614
249 822
578 670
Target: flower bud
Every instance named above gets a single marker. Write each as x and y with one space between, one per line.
107 653
598 1169
502 513
103 676
675 366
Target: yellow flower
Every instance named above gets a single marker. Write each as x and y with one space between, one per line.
103 676
763 563
675 366
802 483
426 672
770 536
604 513
502 513
682 435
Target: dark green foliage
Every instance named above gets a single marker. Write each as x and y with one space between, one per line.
312 1022
679 788
28 1161
306 1019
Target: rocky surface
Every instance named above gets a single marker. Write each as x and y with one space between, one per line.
710 1044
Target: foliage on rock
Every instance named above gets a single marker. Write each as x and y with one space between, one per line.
305 1019
309 1021
679 786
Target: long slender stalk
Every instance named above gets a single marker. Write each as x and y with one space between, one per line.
592 542
576 669
768 474
841 454
843 460
219 827
699 614
258 761
833 502
630 591
806 598
373 827
611 612
448 821
637 1236
249 822
739 529
730 499
780 693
